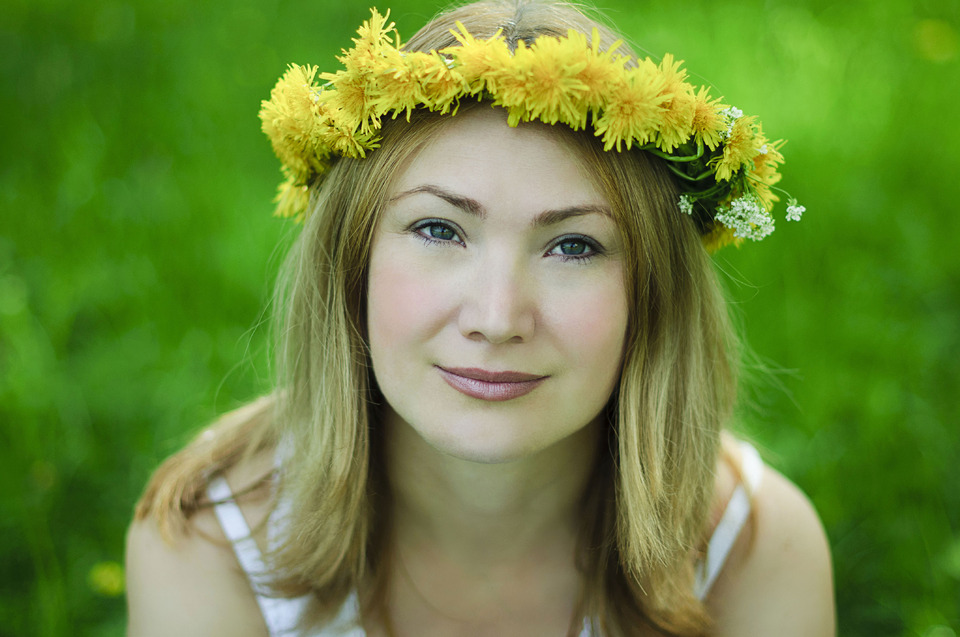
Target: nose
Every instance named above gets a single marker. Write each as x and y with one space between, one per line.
498 304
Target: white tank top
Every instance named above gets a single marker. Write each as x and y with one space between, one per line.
283 614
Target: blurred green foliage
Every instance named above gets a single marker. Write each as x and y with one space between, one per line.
137 252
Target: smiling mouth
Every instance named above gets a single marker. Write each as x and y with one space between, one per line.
490 386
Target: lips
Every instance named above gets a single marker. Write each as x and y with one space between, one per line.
491 386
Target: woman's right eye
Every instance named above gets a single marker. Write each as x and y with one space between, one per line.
433 230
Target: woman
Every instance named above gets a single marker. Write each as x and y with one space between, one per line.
505 362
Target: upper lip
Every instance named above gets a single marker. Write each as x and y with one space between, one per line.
492 377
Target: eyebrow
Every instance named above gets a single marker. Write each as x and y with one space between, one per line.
474 207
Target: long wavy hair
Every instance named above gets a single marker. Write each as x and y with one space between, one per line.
645 510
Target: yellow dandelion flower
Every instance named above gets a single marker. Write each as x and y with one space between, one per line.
679 105
356 63
509 84
541 83
397 87
678 115
388 60
341 137
441 85
765 195
352 101
292 199
634 108
765 172
374 34
479 60
554 88
673 72
371 52
600 70
708 123
767 159
292 116
373 55
739 149
718 237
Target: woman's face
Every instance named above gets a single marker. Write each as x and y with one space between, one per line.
497 307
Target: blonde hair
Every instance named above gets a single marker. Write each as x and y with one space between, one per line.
646 506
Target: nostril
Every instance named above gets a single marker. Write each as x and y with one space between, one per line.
497 310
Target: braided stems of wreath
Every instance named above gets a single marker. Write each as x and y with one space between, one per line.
724 165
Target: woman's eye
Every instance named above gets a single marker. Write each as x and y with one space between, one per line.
441 232
437 231
575 248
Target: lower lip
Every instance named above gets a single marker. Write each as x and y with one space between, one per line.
487 390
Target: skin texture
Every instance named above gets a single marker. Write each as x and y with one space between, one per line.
466 273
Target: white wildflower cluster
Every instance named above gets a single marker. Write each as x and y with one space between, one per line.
747 218
731 114
686 204
794 210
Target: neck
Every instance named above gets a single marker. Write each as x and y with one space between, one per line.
484 547
481 514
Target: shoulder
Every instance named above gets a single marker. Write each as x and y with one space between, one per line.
188 586
779 577
188 582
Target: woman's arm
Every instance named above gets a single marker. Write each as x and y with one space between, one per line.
779 579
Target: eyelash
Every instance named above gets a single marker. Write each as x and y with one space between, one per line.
420 229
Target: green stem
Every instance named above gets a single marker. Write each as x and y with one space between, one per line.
651 148
683 175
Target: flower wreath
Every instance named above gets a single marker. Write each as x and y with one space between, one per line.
724 166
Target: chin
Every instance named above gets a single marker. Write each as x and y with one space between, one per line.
496 441
482 449
485 436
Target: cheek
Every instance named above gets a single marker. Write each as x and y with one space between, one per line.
402 303
391 306
597 327
601 334
593 339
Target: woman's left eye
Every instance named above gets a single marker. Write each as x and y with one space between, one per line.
575 248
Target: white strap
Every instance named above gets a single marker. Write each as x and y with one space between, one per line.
730 525
235 527
751 466
280 614
347 621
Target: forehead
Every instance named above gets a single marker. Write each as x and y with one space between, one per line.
530 167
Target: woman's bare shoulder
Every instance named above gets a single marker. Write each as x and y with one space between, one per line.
778 579
189 582
190 585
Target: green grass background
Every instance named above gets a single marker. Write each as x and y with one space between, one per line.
137 252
